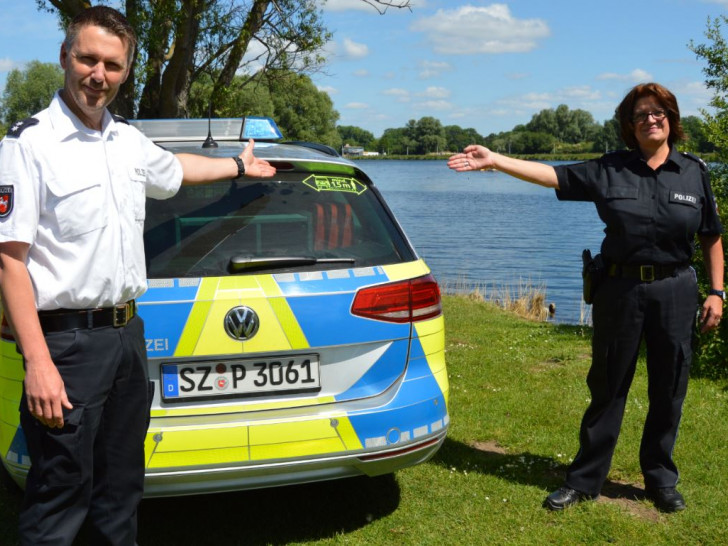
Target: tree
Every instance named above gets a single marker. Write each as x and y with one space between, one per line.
29 90
355 136
712 351
716 73
544 122
696 137
180 40
301 110
244 98
429 135
458 138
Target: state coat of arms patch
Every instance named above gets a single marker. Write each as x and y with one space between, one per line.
6 201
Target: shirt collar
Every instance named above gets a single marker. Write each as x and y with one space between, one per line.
674 160
67 124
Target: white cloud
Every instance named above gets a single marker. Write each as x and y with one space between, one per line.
581 93
435 93
583 97
636 76
361 73
328 89
353 50
477 30
7 64
432 69
357 105
401 95
434 105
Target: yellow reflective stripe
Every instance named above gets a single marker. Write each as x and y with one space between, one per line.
196 320
289 323
409 270
227 444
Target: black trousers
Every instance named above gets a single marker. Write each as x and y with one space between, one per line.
93 468
625 311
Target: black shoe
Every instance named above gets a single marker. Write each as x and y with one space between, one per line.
565 497
666 499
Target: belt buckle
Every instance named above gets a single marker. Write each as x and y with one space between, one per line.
647 273
121 315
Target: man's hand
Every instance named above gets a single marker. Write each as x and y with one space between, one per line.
46 393
254 167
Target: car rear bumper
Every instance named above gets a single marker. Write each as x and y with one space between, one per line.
211 479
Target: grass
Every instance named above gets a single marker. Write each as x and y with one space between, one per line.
517 396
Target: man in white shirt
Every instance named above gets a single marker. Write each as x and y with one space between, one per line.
73 184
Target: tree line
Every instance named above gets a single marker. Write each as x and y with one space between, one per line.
551 131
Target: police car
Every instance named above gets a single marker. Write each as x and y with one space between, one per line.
293 333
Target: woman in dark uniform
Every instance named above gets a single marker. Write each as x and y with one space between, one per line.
653 200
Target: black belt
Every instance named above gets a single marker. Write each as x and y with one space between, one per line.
645 273
60 320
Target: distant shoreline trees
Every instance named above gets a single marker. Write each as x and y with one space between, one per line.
552 131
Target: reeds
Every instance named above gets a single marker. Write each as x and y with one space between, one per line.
523 298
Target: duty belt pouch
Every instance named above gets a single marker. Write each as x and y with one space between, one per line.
592 273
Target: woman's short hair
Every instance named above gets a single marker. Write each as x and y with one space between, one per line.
625 112
108 19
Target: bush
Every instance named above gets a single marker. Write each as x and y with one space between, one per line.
711 352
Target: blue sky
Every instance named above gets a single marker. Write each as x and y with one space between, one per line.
480 64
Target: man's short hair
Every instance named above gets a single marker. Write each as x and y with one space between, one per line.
108 19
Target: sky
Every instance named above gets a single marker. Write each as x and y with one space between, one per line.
478 64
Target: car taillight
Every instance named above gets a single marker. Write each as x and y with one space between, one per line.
403 301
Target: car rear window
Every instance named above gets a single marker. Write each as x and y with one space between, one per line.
293 222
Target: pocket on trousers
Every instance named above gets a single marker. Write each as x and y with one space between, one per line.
60 461
682 372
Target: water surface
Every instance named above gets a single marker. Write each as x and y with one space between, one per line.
491 230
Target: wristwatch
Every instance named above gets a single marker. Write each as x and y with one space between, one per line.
714 292
241 166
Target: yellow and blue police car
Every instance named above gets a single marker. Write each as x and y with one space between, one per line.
293 333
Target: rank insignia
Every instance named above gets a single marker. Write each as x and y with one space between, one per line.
6 201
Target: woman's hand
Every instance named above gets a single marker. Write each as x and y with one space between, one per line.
711 313
473 158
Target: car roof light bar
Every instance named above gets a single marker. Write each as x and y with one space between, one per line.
260 128
221 129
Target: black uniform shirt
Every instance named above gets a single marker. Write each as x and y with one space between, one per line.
651 216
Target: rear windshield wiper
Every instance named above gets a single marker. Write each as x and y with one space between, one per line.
241 263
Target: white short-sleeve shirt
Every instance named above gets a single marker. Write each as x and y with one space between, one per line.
78 199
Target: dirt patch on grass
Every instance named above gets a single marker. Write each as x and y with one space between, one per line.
630 498
627 496
490 446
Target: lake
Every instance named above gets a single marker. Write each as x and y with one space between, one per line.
489 230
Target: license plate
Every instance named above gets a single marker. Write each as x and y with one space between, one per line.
241 378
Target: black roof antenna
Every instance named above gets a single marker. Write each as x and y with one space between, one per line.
209 141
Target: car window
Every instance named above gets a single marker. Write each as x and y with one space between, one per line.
294 222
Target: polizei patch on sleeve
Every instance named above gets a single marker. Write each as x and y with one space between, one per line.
6 200
684 198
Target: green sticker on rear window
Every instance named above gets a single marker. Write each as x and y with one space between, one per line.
335 183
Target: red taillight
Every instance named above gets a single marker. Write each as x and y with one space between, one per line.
403 301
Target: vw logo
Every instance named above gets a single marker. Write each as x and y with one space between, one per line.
241 323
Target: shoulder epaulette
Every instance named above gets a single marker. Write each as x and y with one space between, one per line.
703 164
119 119
20 126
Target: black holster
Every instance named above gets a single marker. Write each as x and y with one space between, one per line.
593 273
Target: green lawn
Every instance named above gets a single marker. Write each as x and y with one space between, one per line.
517 396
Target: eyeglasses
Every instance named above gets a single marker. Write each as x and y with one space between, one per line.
641 117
